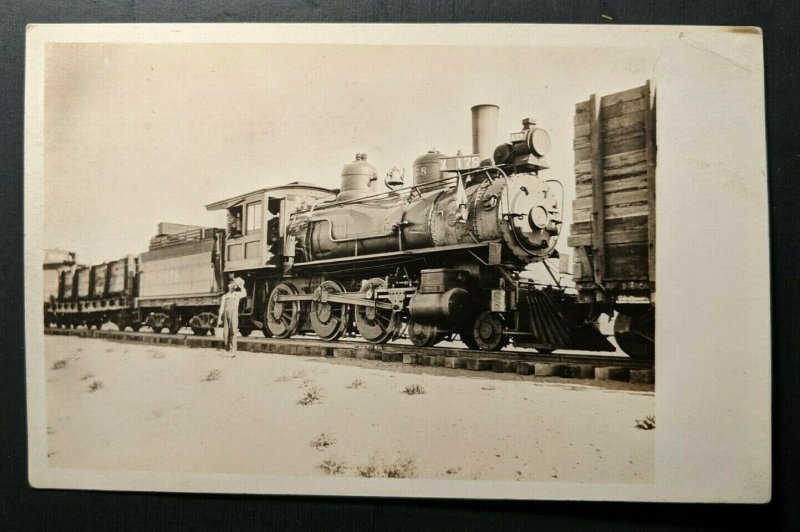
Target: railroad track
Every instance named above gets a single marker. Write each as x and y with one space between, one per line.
575 365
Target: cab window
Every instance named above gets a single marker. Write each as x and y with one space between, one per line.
253 217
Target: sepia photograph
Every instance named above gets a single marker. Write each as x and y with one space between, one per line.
397 260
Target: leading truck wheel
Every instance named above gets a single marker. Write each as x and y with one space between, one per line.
488 332
282 317
635 334
423 334
376 325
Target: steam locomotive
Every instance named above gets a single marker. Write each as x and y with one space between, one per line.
442 257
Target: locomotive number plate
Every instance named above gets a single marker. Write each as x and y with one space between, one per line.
460 162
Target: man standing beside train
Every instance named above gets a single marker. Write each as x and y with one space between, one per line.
229 312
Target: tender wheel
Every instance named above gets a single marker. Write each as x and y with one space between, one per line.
174 328
635 334
266 332
282 317
329 320
376 325
245 332
156 329
423 334
488 332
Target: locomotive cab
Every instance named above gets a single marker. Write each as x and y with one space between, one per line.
256 223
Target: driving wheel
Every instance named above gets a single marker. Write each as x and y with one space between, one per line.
329 320
282 317
376 325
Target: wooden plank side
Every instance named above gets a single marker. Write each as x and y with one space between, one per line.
627 211
612 199
634 182
628 121
651 149
624 107
624 145
614 237
627 262
582 130
614 224
582 107
580 118
623 96
598 208
631 196
625 159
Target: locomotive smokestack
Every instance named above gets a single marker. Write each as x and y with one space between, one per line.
484 130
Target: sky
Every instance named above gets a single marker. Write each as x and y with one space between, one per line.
137 134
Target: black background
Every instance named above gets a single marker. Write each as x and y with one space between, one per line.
22 508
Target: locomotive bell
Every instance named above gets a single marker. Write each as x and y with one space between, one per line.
358 179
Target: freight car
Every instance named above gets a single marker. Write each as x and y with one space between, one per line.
175 283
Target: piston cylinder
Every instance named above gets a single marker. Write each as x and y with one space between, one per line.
439 308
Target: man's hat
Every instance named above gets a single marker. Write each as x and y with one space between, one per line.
239 282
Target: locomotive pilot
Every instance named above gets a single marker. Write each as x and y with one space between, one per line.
229 312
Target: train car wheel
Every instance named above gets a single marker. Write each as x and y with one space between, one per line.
245 332
282 317
329 320
376 325
200 331
266 332
488 332
635 334
423 334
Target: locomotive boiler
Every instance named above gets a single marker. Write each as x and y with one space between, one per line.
437 258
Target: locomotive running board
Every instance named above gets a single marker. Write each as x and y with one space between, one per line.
441 249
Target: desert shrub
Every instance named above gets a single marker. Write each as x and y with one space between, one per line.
214 375
402 467
283 378
312 395
94 386
358 383
60 364
298 374
369 470
87 376
488 387
648 423
414 389
333 466
323 441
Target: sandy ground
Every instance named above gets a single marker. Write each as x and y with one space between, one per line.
154 409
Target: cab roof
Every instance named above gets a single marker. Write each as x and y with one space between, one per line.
300 188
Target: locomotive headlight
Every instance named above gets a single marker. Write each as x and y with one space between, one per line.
538 141
539 217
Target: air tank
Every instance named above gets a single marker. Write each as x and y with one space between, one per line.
358 179
484 130
427 167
